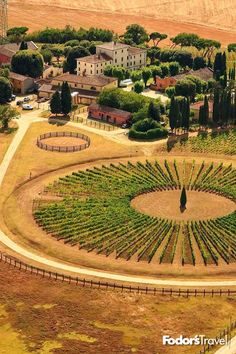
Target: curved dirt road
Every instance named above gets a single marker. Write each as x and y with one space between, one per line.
24 124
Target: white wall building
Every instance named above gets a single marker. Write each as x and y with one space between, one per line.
112 53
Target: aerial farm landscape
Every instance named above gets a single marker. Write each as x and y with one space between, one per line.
118 177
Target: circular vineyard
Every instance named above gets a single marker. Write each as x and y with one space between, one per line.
96 212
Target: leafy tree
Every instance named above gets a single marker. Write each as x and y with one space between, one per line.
136 75
183 57
119 72
5 90
138 87
157 37
4 72
108 70
232 47
75 53
199 62
28 62
170 91
185 88
55 103
47 55
7 113
57 52
135 34
16 34
156 71
165 71
154 111
146 74
153 54
66 100
183 198
73 43
174 68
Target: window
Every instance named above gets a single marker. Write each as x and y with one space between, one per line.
91 71
122 59
115 60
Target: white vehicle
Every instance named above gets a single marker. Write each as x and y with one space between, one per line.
26 99
27 107
126 82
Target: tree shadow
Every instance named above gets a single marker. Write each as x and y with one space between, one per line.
175 139
182 209
58 120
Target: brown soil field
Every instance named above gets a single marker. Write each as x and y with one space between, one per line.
37 15
42 316
64 141
200 205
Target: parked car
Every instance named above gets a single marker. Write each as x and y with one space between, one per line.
19 103
26 99
126 82
27 107
13 97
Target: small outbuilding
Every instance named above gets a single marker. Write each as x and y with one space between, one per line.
21 84
108 114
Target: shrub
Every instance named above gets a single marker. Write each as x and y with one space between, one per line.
147 129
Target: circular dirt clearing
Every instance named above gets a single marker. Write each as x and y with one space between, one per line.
63 141
200 205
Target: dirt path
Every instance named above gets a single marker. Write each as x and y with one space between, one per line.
229 348
24 124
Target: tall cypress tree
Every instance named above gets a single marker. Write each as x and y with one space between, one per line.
172 115
216 106
66 100
185 114
55 103
183 198
206 110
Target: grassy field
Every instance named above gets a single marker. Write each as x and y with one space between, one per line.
38 316
6 138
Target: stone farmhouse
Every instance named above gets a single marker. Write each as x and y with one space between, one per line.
111 53
85 89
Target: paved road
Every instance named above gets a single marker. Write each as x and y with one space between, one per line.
228 349
24 124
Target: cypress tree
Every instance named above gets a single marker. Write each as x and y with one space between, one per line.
183 198
66 100
201 116
206 110
216 106
154 111
186 114
55 103
23 46
172 115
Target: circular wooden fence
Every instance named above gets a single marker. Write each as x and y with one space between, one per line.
58 148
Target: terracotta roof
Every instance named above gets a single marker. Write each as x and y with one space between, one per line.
135 50
112 46
85 80
46 88
203 74
111 110
82 93
94 59
10 49
196 106
18 77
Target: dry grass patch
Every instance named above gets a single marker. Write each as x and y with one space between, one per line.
91 321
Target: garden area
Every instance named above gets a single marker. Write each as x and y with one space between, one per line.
95 212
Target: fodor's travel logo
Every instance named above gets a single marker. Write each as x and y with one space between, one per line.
197 340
